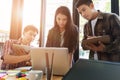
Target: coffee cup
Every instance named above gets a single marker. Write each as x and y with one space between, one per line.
35 75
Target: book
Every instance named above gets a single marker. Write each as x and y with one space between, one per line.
104 39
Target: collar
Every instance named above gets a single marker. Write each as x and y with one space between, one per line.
100 14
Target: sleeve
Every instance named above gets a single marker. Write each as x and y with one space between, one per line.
6 48
114 46
85 34
48 42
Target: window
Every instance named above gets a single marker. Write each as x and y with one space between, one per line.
5 18
31 15
103 5
119 7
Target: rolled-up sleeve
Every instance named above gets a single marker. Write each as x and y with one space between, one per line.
6 48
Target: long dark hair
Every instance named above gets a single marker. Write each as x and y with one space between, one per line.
65 11
69 27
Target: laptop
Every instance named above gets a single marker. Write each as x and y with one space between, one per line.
60 60
85 69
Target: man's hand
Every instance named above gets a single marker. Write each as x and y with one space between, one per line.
93 47
17 50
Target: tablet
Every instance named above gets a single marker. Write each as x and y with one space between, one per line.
104 39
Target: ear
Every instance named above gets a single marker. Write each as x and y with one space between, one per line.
91 6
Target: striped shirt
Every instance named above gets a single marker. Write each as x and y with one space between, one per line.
7 49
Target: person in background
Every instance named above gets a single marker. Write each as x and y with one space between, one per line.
100 24
12 55
64 33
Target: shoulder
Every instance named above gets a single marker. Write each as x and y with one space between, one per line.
11 41
109 15
8 44
53 30
75 27
112 17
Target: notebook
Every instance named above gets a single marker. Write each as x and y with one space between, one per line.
60 61
85 69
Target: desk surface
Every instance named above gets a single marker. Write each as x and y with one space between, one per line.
53 78
15 72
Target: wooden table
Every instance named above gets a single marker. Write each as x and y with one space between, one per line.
43 78
53 78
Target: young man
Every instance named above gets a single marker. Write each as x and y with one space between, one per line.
100 24
12 55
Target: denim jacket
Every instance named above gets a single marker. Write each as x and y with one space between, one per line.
107 24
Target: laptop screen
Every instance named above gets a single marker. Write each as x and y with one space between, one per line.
60 59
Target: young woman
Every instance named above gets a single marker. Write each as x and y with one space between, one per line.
14 56
64 33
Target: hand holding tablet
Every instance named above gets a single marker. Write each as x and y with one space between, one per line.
105 39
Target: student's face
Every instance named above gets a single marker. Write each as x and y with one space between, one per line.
86 11
61 20
29 36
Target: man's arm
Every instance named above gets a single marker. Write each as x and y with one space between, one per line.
10 59
115 34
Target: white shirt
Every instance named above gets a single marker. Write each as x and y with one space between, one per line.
93 23
62 39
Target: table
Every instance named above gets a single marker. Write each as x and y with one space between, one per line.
54 77
13 77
